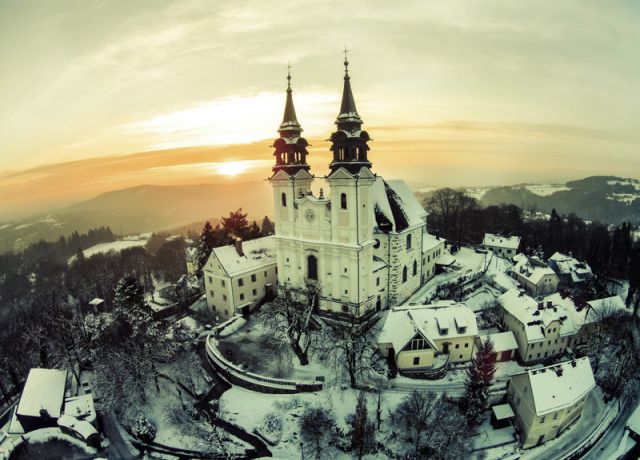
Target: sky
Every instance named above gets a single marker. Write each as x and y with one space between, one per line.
99 95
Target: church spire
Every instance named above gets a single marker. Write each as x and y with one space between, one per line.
291 149
349 142
348 115
289 119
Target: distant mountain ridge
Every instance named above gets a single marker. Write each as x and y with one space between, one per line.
608 199
144 208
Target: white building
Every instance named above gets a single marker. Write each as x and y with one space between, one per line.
362 244
238 276
543 330
505 246
569 269
536 277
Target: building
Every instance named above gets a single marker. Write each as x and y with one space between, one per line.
543 330
362 243
42 399
548 400
504 345
570 271
504 246
239 276
432 250
419 338
588 316
536 277
191 258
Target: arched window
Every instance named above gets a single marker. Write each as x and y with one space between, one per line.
409 241
283 198
343 200
404 274
312 267
415 268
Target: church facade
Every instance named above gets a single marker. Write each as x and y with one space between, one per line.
361 246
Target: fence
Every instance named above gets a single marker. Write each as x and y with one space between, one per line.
254 381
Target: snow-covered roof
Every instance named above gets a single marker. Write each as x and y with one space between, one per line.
439 320
97 301
82 427
598 308
502 411
430 242
498 241
445 260
502 341
569 266
531 268
80 407
537 316
396 208
560 385
44 390
257 253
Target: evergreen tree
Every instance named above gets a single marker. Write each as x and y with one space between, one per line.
479 376
362 428
253 232
267 228
206 244
236 224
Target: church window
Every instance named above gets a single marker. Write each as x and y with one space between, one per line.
254 278
409 241
415 268
312 267
343 200
404 274
283 199
222 283
240 282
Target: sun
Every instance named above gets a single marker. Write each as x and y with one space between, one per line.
232 168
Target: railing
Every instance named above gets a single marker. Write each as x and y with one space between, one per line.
255 381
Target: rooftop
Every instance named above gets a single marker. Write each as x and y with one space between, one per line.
44 391
256 254
531 268
396 208
569 266
502 341
560 385
430 242
507 242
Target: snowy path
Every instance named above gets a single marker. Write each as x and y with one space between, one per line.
608 444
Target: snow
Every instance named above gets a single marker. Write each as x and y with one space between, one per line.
627 198
568 265
44 389
531 268
477 192
534 319
560 385
116 246
430 242
546 189
497 241
502 411
47 434
82 427
257 253
633 423
502 341
80 407
479 299
439 320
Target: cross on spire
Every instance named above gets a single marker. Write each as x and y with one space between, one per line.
288 76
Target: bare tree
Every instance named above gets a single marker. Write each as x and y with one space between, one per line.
315 426
413 415
349 347
287 322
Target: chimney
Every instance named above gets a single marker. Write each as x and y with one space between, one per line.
239 246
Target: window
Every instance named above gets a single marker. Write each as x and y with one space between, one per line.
343 200
255 292
542 419
240 282
224 297
312 267
254 278
265 273
460 356
466 345
404 275
409 241
555 416
457 345
378 281
222 283
283 199
416 360
345 308
418 344
226 313
210 279
241 296
211 292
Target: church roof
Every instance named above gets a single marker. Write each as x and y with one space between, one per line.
289 119
396 208
348 110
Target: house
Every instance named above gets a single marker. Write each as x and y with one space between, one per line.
237 277
542 329
570 271
191 258
588 316
504 345
421 337
548 400
42 399
536 277
504 246
432 249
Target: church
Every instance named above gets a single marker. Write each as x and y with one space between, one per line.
361 246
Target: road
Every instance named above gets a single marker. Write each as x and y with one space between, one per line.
118 446
608 443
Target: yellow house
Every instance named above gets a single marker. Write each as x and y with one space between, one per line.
542 329
536 277
546 401
421 337
238 276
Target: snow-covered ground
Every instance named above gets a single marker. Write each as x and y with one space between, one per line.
116 246
545 189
